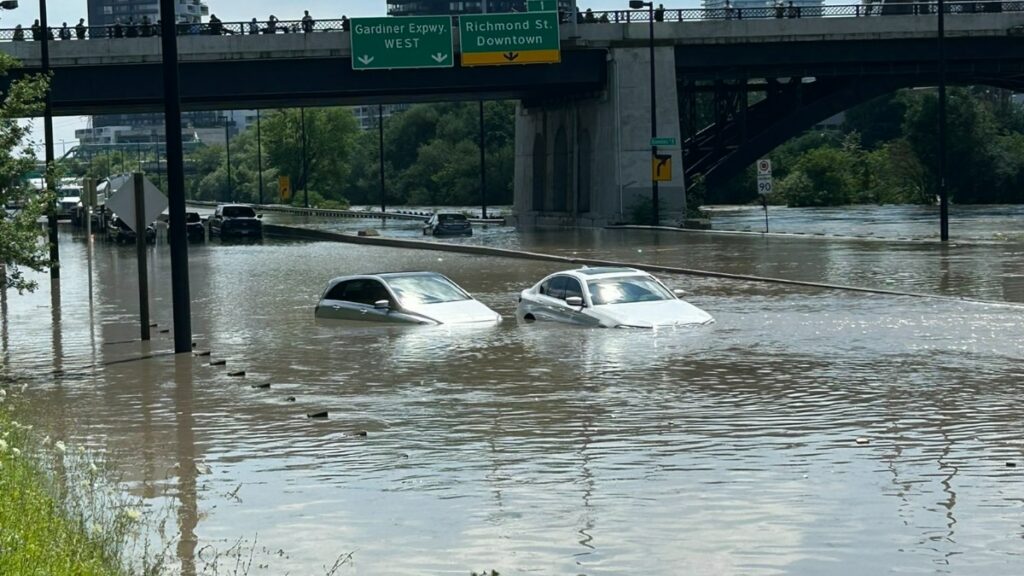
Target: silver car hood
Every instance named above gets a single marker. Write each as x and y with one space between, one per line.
461 312
650 314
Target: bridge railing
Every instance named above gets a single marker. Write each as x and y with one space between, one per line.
780 11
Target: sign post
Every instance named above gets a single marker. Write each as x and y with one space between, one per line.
139 188
510 39
765 186
403 42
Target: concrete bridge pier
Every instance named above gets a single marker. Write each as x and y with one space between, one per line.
587 162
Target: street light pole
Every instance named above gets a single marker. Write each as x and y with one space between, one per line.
175 179
638 4
943 192
227 156
259 154
51 216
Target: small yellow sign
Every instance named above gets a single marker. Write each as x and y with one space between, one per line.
511 58
661 168
284 187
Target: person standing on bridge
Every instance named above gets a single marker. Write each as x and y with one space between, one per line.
307 23
271 25
216 27
80 29
65 32
132 29
118 29
37 31
346 26
254 27
19 33
659 13
147 27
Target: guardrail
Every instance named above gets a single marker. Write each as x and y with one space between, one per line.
394 214
768 11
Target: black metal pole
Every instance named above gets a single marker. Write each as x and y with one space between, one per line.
943 192
175 180
305 165
380 138
654 121
140 251
483 164
259 154
51 215
227 156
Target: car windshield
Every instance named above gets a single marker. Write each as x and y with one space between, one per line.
626 290
425 289
239 212
451 218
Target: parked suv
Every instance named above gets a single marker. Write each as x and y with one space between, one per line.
236 220
448 224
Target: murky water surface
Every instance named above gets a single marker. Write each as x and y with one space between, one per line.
729 449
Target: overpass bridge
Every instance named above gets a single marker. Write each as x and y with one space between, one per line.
583 126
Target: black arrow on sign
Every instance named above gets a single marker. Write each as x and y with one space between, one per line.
510 56
663 160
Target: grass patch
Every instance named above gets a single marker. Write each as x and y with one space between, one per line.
46 527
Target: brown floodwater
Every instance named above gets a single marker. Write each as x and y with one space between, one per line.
728 449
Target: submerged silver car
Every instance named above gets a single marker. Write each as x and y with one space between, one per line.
402 297
609 298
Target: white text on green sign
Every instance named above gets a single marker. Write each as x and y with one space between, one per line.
405 42
499 39
541 5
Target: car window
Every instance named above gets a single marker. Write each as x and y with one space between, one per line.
627 290
555 287
573 288
192 217
239 212
451 217
361 291
425 289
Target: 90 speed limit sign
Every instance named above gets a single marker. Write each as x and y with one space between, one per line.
765 186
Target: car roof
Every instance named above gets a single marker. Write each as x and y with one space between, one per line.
602 272
383 276
234 206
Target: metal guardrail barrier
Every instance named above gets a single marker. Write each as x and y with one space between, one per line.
780 11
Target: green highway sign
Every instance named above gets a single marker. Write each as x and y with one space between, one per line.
663 141
541 5
504 39
404 42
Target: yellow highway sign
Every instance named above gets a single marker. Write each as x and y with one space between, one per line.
661 168
284 187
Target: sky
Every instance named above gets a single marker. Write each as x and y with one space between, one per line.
70 11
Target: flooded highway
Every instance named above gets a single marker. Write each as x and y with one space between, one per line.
540 449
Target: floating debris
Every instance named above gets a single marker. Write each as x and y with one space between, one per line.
317 415
1011 464
359 433
201 353
218 362
237 373
165 331
263 386
863 441
290 399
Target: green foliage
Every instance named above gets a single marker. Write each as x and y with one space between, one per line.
21 238
887 153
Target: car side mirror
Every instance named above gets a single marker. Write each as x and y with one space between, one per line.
574 301
679 292
382 305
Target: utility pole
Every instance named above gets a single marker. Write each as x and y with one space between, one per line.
51 216
227 156
483 164
259 154
175 180
943 192
380 138
305 164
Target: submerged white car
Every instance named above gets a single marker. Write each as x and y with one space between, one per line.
608 298
402 297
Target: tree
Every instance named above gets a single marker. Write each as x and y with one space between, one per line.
22 243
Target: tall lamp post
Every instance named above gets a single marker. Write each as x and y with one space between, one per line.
637 5
943 193
51 217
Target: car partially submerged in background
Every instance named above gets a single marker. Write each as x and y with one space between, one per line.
608 298
402 298
237 221
448 224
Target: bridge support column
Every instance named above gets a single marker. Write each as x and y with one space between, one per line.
588 162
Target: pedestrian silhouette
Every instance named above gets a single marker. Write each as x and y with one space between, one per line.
307 23
80 29
37 31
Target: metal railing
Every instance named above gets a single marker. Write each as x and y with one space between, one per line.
767 12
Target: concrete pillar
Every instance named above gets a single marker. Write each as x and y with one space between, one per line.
608 142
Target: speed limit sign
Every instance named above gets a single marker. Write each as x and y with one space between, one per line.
764 185
764 167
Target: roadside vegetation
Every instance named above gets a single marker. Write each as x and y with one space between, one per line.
886 152
21 245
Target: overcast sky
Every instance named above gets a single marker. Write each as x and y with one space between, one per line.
70 11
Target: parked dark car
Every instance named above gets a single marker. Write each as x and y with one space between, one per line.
194 227
448 224
118 231
236 220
